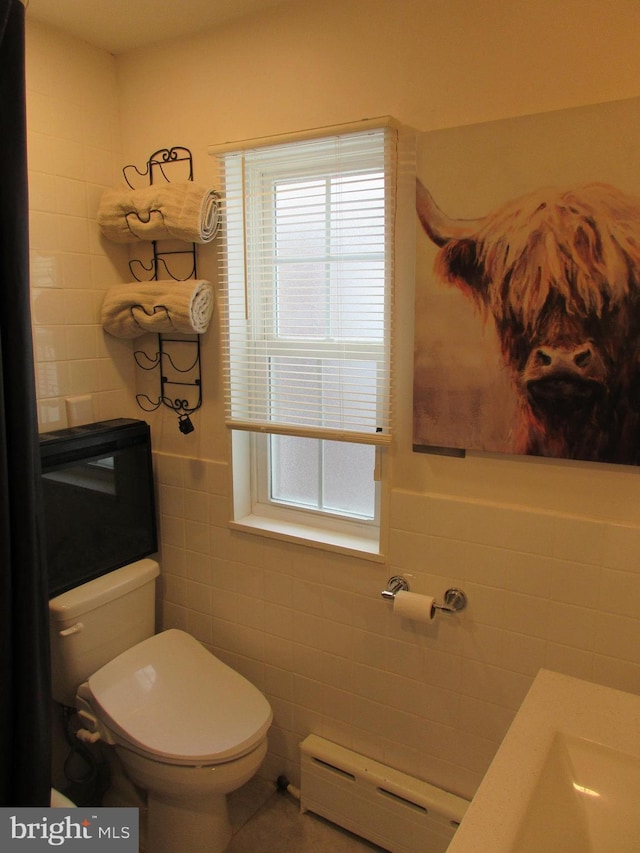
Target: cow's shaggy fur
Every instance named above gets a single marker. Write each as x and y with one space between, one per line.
582 245
559 272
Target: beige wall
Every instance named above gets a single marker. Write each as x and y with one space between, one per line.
546 550
73 154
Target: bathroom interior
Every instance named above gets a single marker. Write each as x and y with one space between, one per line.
546 550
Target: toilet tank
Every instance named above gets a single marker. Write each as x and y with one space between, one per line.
94 622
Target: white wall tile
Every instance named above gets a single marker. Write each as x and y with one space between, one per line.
196 506
200 625
71 197
48 306
81 342
62 154
78 307
45 269
43 231
50 343
41 154
76 271
569 660
83 376
198 568
42 192
69 158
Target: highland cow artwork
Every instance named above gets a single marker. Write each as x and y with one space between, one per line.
528 314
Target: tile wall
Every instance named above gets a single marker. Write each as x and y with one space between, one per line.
73 155
310 628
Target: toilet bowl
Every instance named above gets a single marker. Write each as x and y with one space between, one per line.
186 728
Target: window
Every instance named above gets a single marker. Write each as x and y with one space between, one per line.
307 265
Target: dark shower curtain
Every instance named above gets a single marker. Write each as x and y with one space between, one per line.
24 655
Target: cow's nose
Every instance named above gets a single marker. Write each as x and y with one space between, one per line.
543 357
582 358
554 358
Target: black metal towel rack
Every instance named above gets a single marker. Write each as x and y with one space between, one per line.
177 358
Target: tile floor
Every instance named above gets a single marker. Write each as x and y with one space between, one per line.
269 821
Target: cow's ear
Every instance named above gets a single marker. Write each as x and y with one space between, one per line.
458 262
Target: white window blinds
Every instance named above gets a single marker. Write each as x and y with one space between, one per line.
307 260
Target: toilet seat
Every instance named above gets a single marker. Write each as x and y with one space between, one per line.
169 698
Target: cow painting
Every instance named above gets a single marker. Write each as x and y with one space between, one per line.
558 274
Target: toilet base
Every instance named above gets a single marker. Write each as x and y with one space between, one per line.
186 805
174 828
122 793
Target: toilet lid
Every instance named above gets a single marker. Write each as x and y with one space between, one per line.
169 697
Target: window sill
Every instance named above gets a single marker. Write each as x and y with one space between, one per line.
313 537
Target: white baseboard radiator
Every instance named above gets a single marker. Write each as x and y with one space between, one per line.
389 808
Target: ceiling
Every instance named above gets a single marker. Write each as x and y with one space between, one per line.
121 25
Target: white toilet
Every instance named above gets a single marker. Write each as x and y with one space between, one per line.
187 728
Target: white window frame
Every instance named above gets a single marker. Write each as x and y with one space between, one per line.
253 509
297 525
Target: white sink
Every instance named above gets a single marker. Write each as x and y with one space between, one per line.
585 800
566 778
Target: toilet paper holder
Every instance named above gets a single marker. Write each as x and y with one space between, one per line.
454 598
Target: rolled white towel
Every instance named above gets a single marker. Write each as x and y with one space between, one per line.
182 211
131 310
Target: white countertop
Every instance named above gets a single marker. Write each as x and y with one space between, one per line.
524 785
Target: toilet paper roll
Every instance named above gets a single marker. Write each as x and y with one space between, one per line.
412 605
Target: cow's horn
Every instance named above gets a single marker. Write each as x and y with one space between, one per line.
440 227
